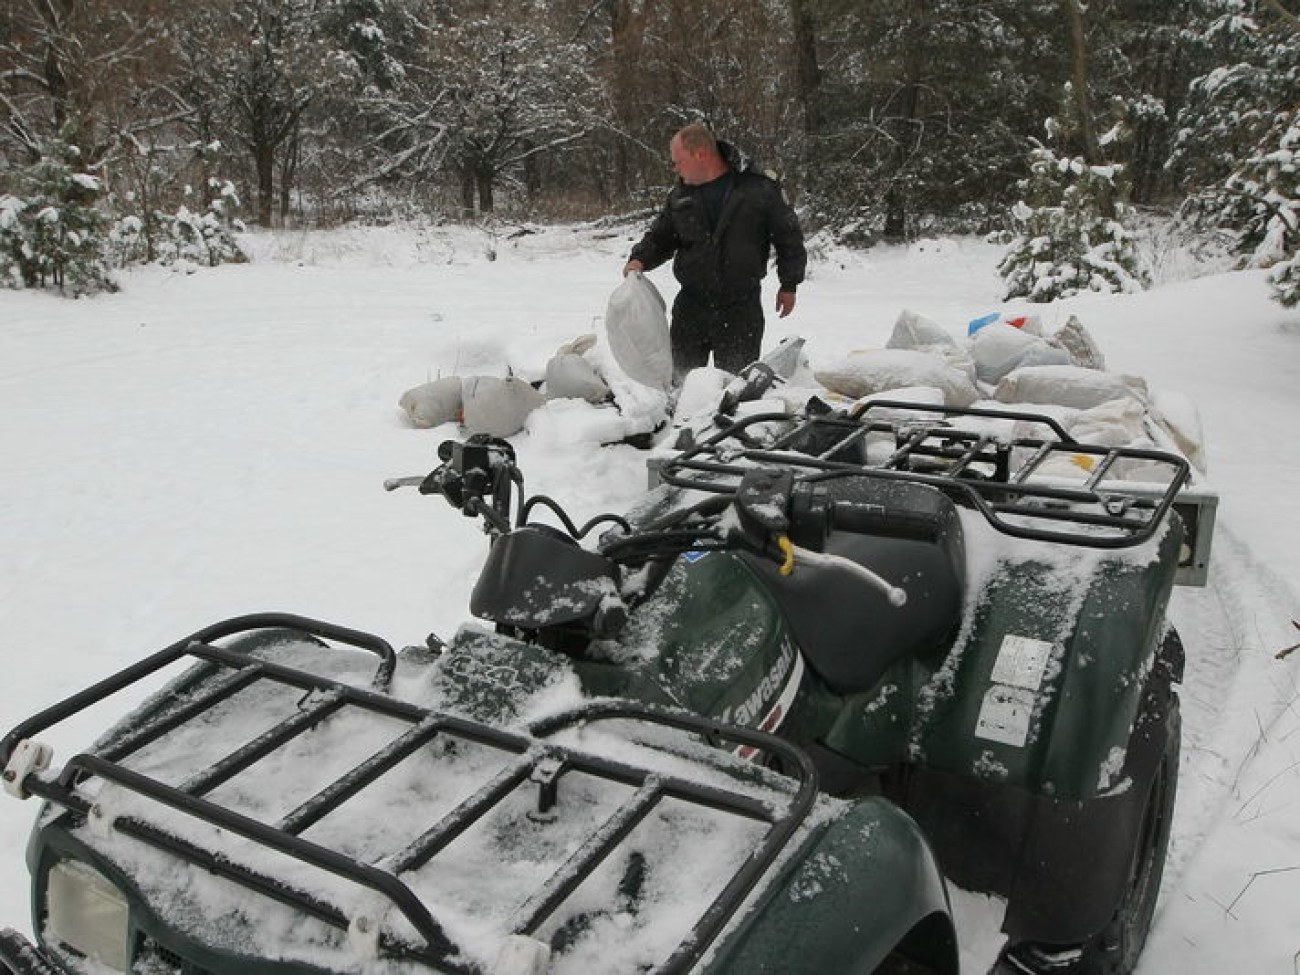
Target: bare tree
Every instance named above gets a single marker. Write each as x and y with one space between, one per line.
517 90
628 20
71 68
907 121
252 67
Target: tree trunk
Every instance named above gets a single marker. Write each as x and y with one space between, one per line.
59 76
1082 97
533 175
264 160
483 178
627 22
56 83
467 192
896 204
808 74
1079 80
289 173
1151 137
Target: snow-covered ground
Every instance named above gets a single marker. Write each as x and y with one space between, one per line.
209 444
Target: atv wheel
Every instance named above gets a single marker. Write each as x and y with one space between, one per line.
1116 948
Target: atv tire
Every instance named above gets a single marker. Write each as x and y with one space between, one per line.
1116 948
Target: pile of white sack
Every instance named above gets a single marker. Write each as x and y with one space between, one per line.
621 391
630 384
499 406
1062 374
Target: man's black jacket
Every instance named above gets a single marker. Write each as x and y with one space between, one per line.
727 264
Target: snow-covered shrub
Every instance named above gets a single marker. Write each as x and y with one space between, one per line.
12 245
1269 181
1237 147
208 237
51 233
1069 234
1258 205
1285 279
205 237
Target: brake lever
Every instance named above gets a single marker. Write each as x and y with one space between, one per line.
393 483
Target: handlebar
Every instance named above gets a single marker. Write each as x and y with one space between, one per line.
778 517
874 519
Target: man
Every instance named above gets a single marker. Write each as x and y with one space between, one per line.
720 224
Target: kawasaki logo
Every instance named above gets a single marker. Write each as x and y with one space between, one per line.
754 706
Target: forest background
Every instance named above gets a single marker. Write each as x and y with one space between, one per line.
141 130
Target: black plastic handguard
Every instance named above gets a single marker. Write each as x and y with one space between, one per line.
476 477
763 501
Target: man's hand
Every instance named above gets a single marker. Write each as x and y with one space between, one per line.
784 302
632 265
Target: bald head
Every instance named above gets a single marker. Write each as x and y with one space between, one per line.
695 155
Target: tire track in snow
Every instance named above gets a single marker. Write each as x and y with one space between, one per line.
1236 698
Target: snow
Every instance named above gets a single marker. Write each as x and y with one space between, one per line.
210 443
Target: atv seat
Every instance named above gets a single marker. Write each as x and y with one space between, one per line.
848 630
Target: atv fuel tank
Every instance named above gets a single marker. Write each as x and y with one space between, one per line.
712 640
850 629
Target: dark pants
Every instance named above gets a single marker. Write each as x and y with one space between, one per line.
732 332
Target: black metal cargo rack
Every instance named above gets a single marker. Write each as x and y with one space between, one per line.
1004 477
538 759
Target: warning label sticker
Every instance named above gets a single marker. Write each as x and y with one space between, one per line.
1004 715
1021 662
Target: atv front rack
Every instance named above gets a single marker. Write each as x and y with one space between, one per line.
1040 484
536 759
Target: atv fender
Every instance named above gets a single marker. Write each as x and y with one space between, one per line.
1078 856
862 894
1062 864
1046 810
1044 691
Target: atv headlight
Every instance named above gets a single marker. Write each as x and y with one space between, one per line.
87 913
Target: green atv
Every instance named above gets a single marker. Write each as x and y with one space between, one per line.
830 663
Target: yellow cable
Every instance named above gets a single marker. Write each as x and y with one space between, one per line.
787 549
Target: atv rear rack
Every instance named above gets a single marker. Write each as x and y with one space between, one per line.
537 759
1047 487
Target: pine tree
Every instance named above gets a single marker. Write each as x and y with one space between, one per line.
1270 179
1068 229
1237 151
377 38
51 233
